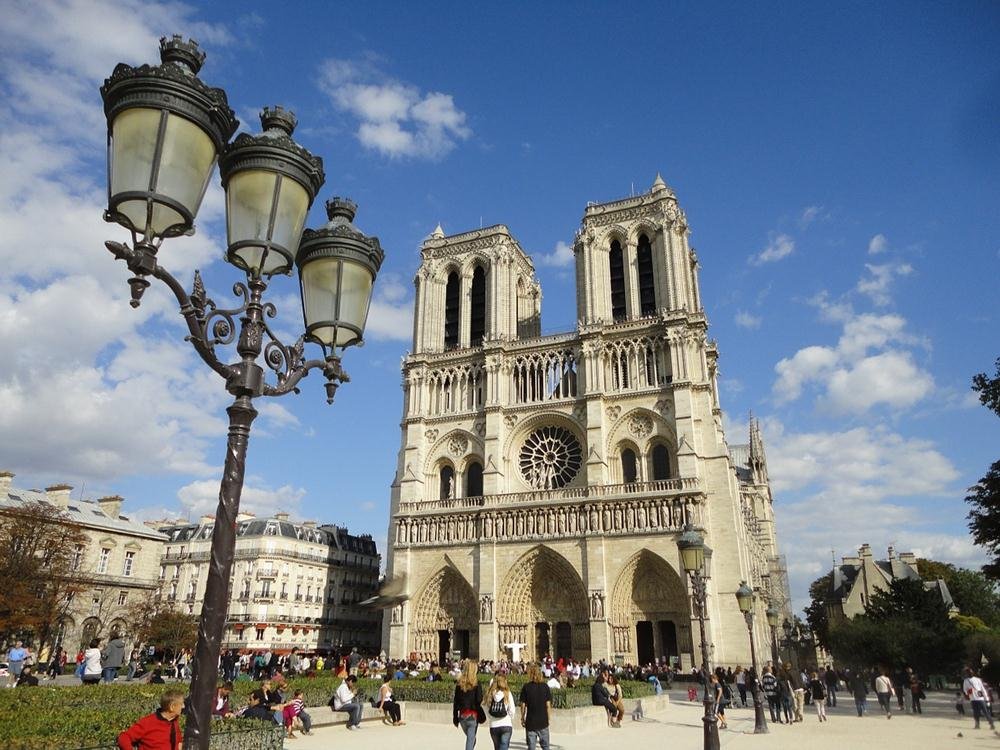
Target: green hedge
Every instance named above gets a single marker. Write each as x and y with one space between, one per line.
92 716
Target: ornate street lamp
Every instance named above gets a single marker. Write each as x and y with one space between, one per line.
166 130
744 598
772 621
693 552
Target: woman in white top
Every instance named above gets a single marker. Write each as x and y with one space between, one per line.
390 709
499 705
92 663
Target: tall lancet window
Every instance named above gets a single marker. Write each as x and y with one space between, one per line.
477 321
617 267
647 283
452 293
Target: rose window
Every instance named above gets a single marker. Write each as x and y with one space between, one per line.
550 458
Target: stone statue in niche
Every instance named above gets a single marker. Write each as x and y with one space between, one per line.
486 608
597 606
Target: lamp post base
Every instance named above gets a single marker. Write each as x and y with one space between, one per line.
711 730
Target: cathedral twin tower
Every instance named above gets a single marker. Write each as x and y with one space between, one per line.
543 480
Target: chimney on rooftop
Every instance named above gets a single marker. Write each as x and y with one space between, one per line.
244 515
111 505
309 524
207 520
909 558
58 495
865 550
281 516
6 477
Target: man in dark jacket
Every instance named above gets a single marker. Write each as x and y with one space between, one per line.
159 730
599 696
112 657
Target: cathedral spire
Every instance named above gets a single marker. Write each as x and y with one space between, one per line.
658 184
438 232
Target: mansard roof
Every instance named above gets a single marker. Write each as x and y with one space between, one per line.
328 535
83 512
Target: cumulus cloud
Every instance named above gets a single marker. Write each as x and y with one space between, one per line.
867 368
92 389
202 498
878 282
836 490
394 118
878 244
561 256
390 317
747 320
778 247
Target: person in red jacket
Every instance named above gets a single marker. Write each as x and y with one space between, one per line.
159 730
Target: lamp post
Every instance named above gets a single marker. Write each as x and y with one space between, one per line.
693 552
166 131
772 621
744 598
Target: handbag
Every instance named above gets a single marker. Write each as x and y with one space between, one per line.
480 714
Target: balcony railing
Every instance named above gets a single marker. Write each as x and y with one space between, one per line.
660 487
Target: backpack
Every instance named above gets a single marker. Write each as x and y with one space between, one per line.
498 709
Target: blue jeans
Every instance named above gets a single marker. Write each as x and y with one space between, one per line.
108 674
861 704
469 725
354 713
979 710
501 737
540 735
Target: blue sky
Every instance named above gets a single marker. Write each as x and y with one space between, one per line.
839 166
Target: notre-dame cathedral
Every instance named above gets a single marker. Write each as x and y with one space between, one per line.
543 481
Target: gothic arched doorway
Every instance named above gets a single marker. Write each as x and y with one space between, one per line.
444 617
543 605
649 610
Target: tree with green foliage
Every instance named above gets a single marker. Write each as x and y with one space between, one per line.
984 496
817 613
157 624
974 594
904 625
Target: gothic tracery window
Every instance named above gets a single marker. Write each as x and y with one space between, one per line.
550 458
629 473
661 462
474 479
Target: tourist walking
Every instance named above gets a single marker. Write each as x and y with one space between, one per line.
159 730
467 709
916 689
718 696
884 691
785 695
536 708
831 678
859 689
16 656
798 690
817 689
975 691
741 684
769 684
500 712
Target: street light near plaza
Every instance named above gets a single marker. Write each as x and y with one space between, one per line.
744 598
772 621
166 131
693 552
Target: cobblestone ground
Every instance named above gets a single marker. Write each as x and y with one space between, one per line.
679 726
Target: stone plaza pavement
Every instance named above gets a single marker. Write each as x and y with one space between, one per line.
679 726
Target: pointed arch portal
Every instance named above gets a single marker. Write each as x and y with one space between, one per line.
649 610
543 605
444 617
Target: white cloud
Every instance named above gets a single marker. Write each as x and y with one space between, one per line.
778 247
746 320
390 317
879 281
878 244
562 256
394 118
867 368
809 215
202 498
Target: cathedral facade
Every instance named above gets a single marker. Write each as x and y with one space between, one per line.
543 481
